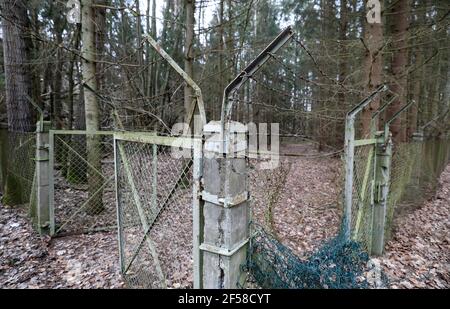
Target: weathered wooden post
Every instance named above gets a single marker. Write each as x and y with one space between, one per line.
225 211
382 176
42 175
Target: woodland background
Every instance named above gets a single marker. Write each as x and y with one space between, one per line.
336 59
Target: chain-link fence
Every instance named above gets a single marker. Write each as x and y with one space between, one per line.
362 197
266 186
416 167
154 191
82 197
18 152
296 209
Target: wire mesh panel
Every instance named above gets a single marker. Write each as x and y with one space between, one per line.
416 167
18 161
296 211
362 198
154 198
266 186
82 182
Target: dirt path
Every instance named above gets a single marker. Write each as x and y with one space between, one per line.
417 256
308 214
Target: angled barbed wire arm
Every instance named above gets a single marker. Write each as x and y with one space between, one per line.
359 107
395 116
376 114
253 67
435 119
39 109
197 91
383 107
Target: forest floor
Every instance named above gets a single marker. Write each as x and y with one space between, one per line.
417 256
30 261
308 210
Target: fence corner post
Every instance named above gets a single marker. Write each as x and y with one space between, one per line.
349 151
382 176
42 177
226 213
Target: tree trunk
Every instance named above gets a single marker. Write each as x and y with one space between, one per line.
189 52
416 82
69 106
324 92
58 22
100 36
399 28
140 50
150 55
17 48
373 68
218 104
343 27
71 79
93 145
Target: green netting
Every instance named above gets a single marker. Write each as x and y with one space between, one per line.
338 264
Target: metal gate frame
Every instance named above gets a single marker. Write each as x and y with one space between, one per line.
196 145
372 191
52 134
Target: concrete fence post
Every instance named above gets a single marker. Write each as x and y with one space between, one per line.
382 176
42 175
416 185
226 214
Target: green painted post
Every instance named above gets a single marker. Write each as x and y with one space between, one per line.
43 221
383 171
